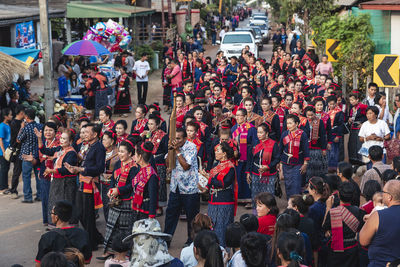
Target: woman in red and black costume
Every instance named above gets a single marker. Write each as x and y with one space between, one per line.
50 142
120 216
120 130
107 124
181 109
265 158
223 189
357 116
155 110
123 101
144 184
159 139
63 183
140 123
109 142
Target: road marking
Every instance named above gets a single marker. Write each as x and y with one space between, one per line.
19 227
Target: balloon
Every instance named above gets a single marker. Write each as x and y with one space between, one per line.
101 28
89 35
111 35
112 39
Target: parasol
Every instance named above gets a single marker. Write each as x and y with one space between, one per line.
9 66
85 48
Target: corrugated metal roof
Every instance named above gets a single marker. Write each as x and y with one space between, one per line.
345 2
381 5
13 12
104 10
382 2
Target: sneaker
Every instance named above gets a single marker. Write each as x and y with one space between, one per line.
7 192
14 196
3 190
37 199
27 201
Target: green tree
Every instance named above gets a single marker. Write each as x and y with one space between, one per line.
356 46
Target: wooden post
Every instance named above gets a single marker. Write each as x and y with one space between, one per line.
67 25
355 80
170 12
47 59
171 159
368 81
344 82
162 22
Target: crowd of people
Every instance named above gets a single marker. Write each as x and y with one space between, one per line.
242 126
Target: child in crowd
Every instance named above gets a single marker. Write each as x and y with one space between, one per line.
121 250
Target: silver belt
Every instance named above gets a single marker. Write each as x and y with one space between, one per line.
214 191
290 155
350 239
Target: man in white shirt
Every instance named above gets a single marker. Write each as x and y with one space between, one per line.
371 93
141 70
222 33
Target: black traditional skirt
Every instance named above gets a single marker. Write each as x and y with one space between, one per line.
120 220
317 165
123 103
61 189
162 194
354 145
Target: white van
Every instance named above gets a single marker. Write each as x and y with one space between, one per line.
233 43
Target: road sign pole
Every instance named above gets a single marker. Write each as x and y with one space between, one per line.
47 59
344 82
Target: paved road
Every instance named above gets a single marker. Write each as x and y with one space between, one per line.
21 224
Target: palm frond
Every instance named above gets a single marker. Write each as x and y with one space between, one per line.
8 67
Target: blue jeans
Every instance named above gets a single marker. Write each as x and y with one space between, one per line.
213 38
44 193
293 179
26 178
189 202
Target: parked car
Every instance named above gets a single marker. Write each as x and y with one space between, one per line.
257 37
233 43
264 29
259 17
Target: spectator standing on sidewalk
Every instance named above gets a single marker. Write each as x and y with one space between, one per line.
16 125
176 77
141 70
222 32
5 138
213 30
29 146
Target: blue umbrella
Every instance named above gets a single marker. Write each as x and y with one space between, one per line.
85 48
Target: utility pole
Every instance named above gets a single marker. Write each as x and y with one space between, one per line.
47 58
163 21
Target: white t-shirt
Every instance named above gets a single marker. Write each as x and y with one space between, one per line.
141 67
222 33
380 128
